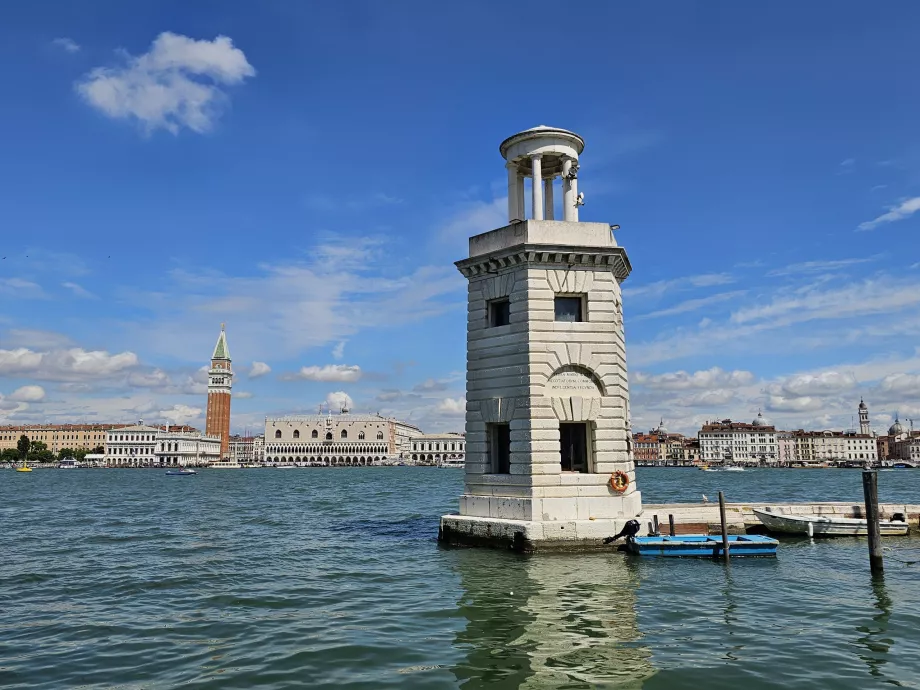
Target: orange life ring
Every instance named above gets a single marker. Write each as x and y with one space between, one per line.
619 481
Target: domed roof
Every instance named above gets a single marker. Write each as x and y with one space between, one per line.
896 428
661 428
862 404
760 420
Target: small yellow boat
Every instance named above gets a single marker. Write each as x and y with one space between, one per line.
24 467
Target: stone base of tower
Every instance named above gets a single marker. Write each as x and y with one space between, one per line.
576 527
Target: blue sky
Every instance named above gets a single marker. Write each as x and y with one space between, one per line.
308 173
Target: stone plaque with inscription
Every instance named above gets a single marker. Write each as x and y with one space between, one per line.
567 383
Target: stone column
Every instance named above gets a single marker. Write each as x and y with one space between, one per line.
520 196
548 211
536 187
512 192
568 196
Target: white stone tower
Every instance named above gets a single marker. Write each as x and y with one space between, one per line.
863 418
547 420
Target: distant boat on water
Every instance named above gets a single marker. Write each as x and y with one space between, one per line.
182 472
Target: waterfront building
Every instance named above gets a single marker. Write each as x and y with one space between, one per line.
785 447
186 449
837 446
432 449
645 448
736 442
242 449
258 448
220 383
131 446
547 399
342 439
58 436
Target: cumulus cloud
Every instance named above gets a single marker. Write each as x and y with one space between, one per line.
151 379
181 414
821 384
905 209
259 369
65 365
903 384
712 398
28 394
177 83
452 406
66 44
682 380
338 400
778 403
343 373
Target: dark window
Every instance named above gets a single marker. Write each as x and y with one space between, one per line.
379 435
569 309
573 446
500 448
296 433
314 434
344 433
328 435
278 433
499 312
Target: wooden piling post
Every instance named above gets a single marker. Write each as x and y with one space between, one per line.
655 524
870 491
724 526
671 529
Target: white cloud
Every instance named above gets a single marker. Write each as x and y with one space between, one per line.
661 287
902 384
79 290
37 339
778 403
903 210
692 305
67 44
339 400
259 369
818 266
28 394
345 373
710 398
151 379
21 289
180 414
475 218
177 83
682 380
243 395
452 406
339 350
820 384
64 365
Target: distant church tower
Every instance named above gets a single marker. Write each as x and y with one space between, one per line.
220 380
863 418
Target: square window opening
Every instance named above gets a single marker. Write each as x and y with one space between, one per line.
570 308
500 312
500 448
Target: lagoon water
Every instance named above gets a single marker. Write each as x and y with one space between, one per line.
331 578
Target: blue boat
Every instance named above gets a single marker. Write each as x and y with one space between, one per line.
703 546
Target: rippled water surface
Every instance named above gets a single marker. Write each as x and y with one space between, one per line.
322 578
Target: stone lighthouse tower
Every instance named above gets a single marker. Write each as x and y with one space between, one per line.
220 381
547 419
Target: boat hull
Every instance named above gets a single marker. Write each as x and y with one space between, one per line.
703 546
818 526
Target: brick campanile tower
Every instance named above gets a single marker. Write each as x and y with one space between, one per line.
220 381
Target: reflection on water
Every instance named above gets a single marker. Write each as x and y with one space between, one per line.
549 622
875 637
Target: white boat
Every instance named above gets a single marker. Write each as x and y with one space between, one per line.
225 466
453 463
68 464
820 526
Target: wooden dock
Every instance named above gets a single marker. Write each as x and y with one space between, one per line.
703 518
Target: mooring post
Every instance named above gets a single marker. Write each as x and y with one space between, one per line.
870 490
655 524
724 525
671 526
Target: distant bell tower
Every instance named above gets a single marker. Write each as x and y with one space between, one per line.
863 418
220 381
